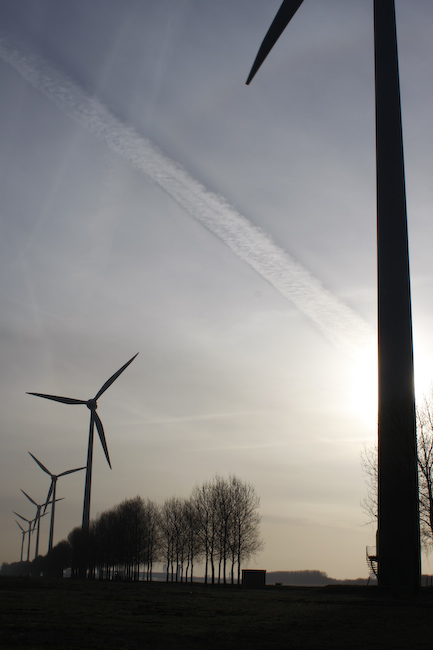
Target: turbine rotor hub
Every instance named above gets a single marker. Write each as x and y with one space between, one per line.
92 405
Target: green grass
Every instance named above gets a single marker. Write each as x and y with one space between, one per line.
69 614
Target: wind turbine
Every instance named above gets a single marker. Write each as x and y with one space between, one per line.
23 534
398 535
94 419
52 494
37 519
29 532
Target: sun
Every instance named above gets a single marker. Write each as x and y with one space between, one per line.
363 386
423 380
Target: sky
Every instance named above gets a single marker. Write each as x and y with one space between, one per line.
152 202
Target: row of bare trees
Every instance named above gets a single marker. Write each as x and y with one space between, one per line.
425 473
218 526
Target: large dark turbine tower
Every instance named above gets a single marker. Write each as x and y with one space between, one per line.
398 539
94 419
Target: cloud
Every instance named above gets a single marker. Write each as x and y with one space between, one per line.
340 324
201 417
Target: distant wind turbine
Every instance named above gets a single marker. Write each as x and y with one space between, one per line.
398 535
23 534
37 519
94 419
29 532
52 494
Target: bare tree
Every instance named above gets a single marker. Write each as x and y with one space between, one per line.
126 537
193 546
224 504
229 524
152 537
111 536
425 470
246 540
173 536
77 540
130 515
218 523
425 473
204 502
370 470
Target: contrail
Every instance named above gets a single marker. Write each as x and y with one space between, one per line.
340 324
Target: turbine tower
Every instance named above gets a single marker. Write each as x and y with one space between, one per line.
23 534
398 536
94 419
52 494
29 532
37 518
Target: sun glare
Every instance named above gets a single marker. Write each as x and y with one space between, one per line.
423 381
363 389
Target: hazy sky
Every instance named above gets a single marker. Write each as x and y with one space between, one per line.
153 203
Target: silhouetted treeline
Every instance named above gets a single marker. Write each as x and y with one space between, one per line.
308 578
16 569
222 525
217 526
50 565
122 541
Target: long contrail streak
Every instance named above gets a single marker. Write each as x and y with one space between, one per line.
335 319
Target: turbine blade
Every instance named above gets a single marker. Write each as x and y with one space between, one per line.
280 22
113 378
21 517
70 471
56 398
18 523
40 464
102 436
29 498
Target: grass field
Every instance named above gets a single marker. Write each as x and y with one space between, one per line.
70 614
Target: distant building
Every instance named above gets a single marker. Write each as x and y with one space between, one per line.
253 578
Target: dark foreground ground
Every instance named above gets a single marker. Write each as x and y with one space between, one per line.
69 614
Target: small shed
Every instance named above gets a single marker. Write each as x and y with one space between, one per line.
253 578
